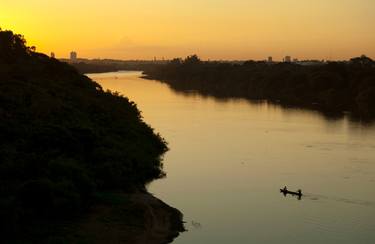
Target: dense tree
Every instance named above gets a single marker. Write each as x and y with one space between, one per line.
62 138
331 87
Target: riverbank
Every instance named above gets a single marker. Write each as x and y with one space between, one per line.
333 88
137 218
85 66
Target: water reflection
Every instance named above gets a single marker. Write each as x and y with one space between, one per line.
227 157
327 115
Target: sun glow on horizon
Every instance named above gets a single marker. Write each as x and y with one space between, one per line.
215 29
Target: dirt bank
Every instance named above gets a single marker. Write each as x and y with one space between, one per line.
138 218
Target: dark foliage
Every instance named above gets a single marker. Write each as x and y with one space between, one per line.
86 68
101 66
62 138
331 87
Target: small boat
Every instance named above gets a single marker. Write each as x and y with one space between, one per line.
285 191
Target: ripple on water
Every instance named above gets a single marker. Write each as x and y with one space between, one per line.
316 197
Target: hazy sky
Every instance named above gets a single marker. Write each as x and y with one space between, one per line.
215 29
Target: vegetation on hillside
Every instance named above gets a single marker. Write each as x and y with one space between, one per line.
62 138
331 87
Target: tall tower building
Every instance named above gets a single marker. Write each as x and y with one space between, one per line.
73 56
53 55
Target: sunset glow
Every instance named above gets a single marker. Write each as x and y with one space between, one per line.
214 29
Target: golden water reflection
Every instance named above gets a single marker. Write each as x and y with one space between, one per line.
228 160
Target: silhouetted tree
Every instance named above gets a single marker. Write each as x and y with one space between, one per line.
331 87
363 60
193 59
62 138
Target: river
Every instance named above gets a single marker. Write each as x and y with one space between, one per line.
229 158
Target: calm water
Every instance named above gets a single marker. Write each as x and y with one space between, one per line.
228 159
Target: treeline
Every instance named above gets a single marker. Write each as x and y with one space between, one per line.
102 66
63 138
331 87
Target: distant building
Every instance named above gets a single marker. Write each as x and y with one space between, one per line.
73 56
288 59
52 55
295 60
270 60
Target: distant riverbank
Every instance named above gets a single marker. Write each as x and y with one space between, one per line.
333 88
103 66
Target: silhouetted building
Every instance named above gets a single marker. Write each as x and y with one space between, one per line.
52 55
287 59
73 56
270 60
295 60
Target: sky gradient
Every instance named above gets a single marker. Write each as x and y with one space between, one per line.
213 29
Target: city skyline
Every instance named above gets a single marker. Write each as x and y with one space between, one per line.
73 56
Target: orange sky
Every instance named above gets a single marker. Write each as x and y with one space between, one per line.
215 29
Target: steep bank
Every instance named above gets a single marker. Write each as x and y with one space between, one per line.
63 139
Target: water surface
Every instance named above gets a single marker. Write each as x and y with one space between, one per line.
228 159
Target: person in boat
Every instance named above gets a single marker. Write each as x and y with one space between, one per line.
299 192
285 189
